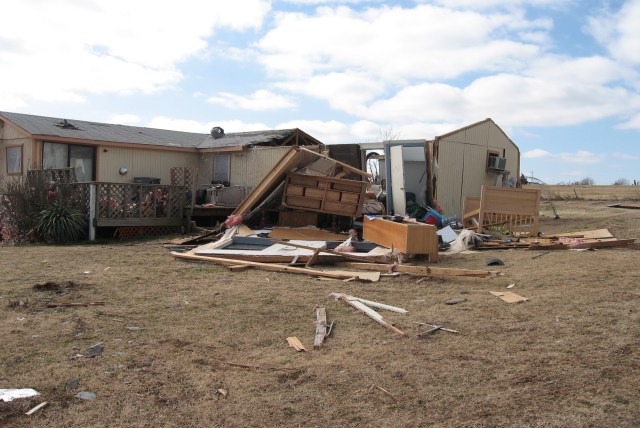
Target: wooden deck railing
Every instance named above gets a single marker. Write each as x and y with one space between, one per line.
130 204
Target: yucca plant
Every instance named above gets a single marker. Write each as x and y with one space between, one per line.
61 223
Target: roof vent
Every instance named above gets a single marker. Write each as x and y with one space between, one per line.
217 132
65 124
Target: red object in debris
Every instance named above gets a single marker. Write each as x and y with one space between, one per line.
233 220
345 249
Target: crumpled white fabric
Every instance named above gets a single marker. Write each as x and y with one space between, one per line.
11 394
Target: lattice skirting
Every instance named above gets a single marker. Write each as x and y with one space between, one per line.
127 232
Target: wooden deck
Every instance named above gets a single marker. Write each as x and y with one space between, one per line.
131 204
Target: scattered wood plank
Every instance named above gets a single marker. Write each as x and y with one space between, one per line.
540 255
383 390
238 268
321 326
509 296
595 243
360 276
377 305
35 409
295 343
257 365
604 244
631 207
355 303
434 326
70 304
419 270
313 258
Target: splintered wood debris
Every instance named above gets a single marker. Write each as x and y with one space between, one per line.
321 326
363 306
295 343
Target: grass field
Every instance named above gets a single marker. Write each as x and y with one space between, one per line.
569 357
590 193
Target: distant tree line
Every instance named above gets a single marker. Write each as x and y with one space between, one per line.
588 181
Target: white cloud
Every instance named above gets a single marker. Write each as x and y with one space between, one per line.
619 32
625 156
489 4
535 153
318 2
581 157
327 132
395 43
260 100
343 91
633 123
77 48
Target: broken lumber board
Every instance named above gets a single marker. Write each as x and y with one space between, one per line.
321 326
612 243
313 258
256 365
509 297
275 267
586 234
419 270
353 302
631 207
295 343
368 276
604 244
377 305
238 268
349 256
294 158
69 304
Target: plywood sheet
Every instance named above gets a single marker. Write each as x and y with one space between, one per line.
509 297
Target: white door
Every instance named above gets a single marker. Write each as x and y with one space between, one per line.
397 180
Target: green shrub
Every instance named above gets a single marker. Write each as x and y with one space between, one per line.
21 200
61 223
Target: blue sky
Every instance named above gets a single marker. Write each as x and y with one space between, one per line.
560 77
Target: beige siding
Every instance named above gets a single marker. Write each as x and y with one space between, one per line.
10 136
479 134
449 180
463 163
474 172
140 163
250 166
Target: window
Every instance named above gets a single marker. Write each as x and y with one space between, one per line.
14 160
221 168
80 158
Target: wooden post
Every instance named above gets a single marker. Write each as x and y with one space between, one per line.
321 326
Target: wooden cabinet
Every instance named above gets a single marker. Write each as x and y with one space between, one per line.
405 237
324 194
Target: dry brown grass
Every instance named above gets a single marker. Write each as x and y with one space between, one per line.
590 193
568 357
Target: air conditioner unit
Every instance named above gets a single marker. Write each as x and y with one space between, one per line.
497 163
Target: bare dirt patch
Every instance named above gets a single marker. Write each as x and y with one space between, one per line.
570 356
